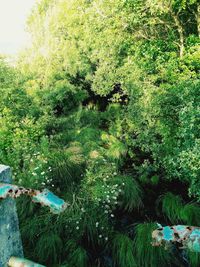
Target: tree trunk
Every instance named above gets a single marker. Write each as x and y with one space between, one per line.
181 34
198 19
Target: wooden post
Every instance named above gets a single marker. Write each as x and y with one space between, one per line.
10 240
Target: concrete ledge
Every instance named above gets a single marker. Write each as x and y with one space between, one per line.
10 240
5 174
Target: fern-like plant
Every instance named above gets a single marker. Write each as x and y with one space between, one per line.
77 255
146 254
122 251
171 206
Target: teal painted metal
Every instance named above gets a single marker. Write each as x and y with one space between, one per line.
6 189
194 240
10 241
167 233
11 253
45 197
20 262
186 236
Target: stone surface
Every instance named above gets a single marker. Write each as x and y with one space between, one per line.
10 240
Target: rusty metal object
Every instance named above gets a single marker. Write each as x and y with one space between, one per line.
187 237
10 239
45 197
19 262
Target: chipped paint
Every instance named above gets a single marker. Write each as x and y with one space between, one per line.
186 236
45 197
10 240
19 262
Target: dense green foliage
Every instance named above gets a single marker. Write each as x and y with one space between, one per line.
104 110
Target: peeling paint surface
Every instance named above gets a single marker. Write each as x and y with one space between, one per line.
19 262
45 197
11 251
10 240
187 236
